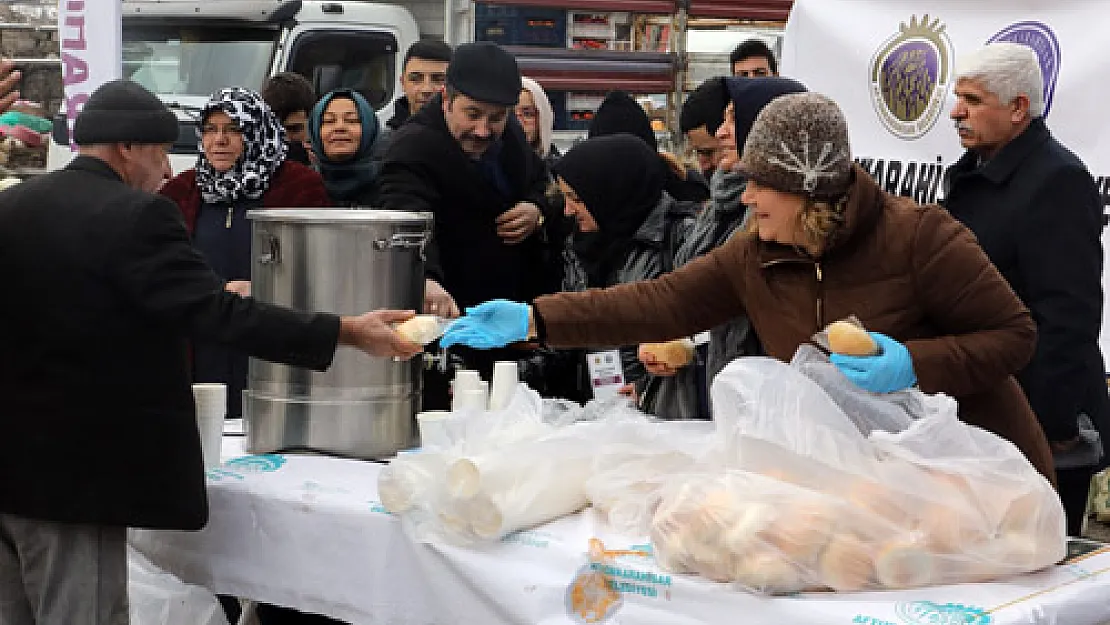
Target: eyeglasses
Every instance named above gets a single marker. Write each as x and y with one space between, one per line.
294 128
527 112
705 152
212 129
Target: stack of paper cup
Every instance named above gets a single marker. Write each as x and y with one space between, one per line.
432 425
505 379
211 403
463 391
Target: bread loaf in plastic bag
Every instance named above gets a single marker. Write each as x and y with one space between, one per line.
807 501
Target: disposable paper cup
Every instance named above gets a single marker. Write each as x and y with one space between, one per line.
211 403
470 401
465 380
505 378
433 429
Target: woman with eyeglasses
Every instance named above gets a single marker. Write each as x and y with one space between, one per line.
343 131
535 116
242 165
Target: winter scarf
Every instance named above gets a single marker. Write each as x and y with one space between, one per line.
264 148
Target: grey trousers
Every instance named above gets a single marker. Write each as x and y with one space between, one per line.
61 574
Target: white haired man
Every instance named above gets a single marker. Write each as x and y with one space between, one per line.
1036 211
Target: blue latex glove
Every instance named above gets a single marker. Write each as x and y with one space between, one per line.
891 370
495 323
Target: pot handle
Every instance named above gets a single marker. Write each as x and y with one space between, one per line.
404 240
271 254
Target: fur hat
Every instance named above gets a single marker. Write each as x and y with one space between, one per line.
799 144
121 111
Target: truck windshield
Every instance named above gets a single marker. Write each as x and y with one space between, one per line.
196 59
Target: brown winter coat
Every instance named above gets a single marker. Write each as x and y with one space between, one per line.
911 272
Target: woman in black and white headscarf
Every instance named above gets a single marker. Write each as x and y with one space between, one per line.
242 166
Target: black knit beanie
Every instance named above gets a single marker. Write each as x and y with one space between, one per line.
705 107
122 111
620 113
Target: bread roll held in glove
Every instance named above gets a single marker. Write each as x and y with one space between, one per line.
849 339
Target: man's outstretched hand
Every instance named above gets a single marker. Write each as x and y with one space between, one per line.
373 333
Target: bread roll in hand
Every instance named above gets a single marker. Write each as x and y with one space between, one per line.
849 339
674 354
421 329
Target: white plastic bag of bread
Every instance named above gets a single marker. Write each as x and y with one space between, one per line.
806 501
626 478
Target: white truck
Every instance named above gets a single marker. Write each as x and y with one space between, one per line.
184 50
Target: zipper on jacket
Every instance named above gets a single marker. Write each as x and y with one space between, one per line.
230 209
820 276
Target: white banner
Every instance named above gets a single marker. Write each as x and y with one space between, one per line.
846 48
91 34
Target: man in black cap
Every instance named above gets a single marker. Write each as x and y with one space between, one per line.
99 431
465 158
701 115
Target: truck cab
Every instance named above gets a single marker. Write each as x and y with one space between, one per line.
185 50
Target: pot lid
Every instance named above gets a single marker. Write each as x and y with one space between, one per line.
339 216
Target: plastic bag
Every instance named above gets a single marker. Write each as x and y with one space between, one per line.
627 475
764 408
506 470
891 412
158 598
807 501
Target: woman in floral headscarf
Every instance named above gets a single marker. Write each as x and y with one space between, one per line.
242 166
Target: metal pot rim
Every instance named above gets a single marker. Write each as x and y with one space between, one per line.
339 216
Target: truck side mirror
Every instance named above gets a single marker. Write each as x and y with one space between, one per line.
326 78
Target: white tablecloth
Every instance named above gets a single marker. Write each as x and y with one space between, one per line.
308 532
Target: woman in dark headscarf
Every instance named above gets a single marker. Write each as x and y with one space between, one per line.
629 227
242 165
343 130
620 113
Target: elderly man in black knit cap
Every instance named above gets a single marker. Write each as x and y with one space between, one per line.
464 158
99 432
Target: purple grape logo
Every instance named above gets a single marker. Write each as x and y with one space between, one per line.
1043 41
910 76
